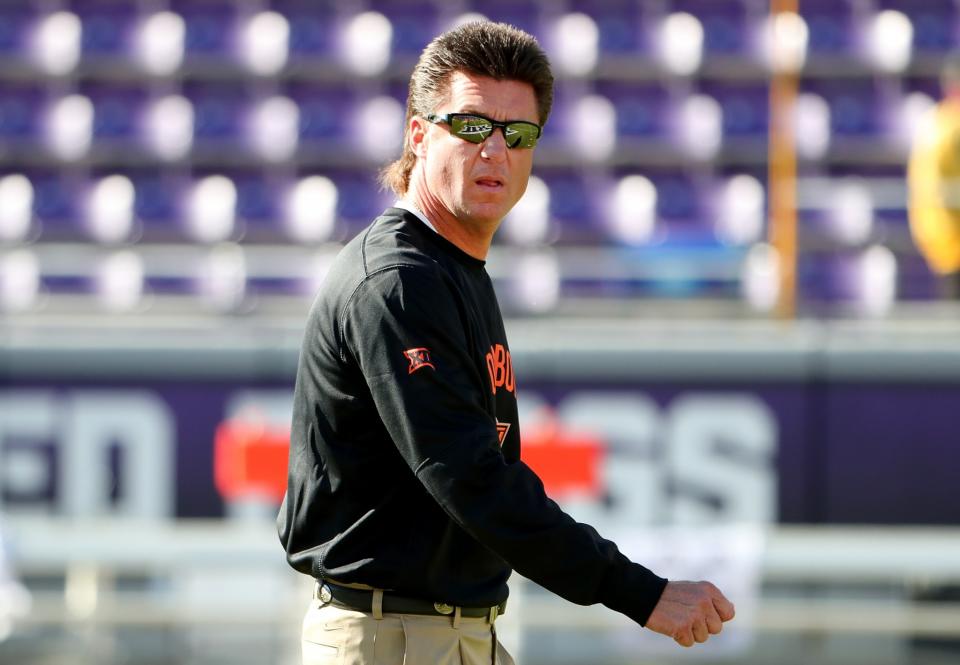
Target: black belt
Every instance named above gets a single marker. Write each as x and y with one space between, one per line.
361 600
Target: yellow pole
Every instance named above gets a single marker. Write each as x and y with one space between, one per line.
782 176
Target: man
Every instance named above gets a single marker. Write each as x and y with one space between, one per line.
407 499
934 180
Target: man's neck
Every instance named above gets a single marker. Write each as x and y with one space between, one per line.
473 241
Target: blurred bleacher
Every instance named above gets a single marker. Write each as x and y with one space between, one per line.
213 154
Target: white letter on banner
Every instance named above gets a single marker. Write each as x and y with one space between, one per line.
29 416
721 448
629 425
141 425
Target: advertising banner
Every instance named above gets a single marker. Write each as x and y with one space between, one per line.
657 453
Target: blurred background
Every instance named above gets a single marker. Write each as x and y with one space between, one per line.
732 356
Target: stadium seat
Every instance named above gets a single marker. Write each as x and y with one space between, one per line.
324 110
56 203
642 109
107 27
360 199
831 26
415 22
934 22
853 106
744 105
210 27
621 25
158 204
525 14
19 120
572 211
15 22
312 27
258 205
728 25
682 210
218 112
117 111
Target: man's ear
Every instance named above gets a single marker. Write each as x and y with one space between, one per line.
418 136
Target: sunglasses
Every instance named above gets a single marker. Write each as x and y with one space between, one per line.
476 128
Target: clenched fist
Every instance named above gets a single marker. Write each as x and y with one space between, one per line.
690 612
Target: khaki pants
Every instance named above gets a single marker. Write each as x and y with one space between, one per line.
335 636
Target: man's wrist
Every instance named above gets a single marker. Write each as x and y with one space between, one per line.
632 590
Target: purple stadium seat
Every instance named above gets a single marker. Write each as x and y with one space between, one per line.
158 204
572 207
312 27
642 109
259 207
828 278
832 26
278 286
917 281
324 110
57 205
19 117
16 20
728 25
67 284
219 109
525 14
360 198
817 277
854 107
169 285
745 107
415 23
108 27
936 23
210 27
117 110
682 210
620 23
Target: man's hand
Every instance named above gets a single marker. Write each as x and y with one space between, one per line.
690 612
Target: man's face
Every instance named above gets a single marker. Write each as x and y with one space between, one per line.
477 184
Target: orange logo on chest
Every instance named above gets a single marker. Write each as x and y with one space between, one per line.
500 367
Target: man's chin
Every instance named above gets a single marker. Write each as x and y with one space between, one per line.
501 202
486 213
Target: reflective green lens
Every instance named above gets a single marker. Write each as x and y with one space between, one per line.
471 128
521 135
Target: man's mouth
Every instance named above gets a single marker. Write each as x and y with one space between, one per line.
491 183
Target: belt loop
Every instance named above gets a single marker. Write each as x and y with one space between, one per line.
492 616
456 616
378 604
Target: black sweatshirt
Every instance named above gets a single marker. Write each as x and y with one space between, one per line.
405 469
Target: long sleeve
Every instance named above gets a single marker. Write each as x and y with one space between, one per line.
410 335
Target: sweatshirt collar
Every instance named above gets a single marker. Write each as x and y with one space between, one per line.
409 207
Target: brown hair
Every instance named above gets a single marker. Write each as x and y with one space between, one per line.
482 48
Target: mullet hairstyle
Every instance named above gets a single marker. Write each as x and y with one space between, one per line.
483 48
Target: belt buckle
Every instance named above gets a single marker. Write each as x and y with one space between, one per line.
324 594
443 608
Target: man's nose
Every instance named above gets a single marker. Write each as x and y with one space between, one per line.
495 145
